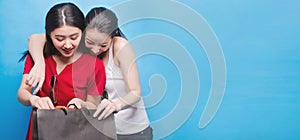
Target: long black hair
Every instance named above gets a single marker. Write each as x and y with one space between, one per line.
104 21
59 15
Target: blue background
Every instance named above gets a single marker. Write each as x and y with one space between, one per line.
260 41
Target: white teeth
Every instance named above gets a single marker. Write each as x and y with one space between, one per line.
67 49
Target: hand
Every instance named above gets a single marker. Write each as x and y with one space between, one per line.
107 107
41 102
36 76
78 102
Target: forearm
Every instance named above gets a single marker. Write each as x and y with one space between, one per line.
24 94
126 59
131 98
24 97
36 44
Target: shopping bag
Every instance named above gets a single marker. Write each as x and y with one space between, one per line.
79 124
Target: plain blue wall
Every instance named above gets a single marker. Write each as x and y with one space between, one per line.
260 41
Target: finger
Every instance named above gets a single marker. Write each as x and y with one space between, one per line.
34 83
50 104
109 112
36 90
99 109
28 79
30 82
37 106
78 105
73 106
101 106
40 106
41 82
71 102
39 87
44 103
106 110
77 102
84 105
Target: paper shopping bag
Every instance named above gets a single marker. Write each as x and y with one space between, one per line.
72 125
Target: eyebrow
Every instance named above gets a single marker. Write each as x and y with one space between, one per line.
94 42
65 36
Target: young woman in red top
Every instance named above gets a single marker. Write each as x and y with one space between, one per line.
71 76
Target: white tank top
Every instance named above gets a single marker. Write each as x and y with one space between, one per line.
129 120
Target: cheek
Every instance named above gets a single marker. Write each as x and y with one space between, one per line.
76 42
58 44
92 50
88 46
104 49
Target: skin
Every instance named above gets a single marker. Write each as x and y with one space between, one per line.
124 58
97 43
66 40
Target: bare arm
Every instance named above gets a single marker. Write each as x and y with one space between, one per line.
126 60
24 94
36 76
27 99
36 44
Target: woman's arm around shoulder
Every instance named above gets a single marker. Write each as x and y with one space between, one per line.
36 76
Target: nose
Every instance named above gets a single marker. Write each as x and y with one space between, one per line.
96 49
68 44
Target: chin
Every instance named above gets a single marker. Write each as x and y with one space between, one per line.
94 54
67 55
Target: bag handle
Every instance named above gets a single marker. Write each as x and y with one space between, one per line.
64 109
73 105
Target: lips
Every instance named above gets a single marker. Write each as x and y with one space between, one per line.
67 51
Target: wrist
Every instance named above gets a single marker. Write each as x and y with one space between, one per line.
40 62
119 105
32 99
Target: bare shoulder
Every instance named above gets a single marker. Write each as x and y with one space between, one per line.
123 52
119 43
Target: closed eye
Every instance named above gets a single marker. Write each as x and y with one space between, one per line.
89 43
74 37
60 38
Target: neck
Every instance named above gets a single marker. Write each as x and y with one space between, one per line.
67 60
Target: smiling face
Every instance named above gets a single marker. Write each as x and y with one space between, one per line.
96 41
66 39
